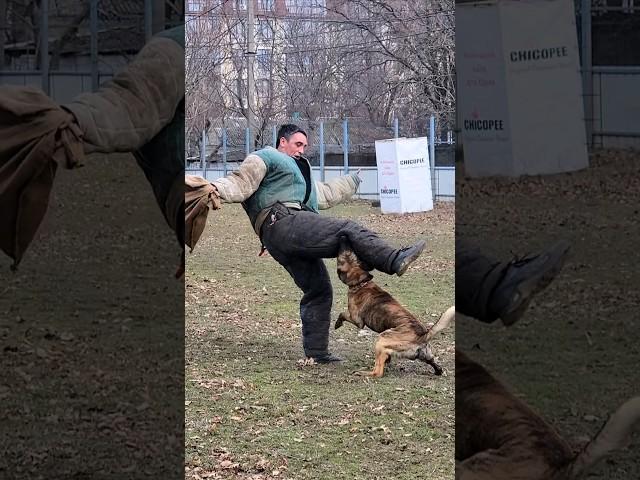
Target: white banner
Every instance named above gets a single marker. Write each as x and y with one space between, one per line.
519 88
482 97
404 175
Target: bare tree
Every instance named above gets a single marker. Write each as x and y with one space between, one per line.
359 58
406 51
203 60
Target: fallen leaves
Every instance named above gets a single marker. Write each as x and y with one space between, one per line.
294 417
252 467
306 362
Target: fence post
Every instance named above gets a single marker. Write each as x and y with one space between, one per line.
93 21
148 20
203 152
322 175
587 73
224 152
345 144
247 140
432 154
275 136
44 45
396 128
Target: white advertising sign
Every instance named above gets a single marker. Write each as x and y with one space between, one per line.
482 98
404 175
519 88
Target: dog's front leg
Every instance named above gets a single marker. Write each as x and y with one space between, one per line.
344 316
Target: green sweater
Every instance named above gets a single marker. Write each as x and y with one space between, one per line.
286 180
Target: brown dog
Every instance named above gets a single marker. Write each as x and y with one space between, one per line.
498 437
401 333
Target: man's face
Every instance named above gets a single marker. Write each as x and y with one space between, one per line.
295 146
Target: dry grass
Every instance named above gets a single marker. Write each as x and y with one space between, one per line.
574 356
253 411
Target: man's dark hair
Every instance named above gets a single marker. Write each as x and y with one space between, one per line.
287 130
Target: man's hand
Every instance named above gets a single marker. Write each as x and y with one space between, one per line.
216 203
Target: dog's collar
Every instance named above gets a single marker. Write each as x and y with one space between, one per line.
359 286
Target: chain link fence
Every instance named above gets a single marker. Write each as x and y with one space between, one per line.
87 41
229 140
610 74
335 145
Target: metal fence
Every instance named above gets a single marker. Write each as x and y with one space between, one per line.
335 147
349 141
616 102
610 73
67 47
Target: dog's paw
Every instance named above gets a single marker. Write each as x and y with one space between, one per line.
338 324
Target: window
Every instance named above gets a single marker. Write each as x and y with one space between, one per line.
263 88
263 61
194 6
240 4
265 29
306 7
238 32
267 5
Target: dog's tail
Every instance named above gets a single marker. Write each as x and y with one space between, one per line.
614 435
443 322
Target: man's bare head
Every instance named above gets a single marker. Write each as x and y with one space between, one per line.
292 140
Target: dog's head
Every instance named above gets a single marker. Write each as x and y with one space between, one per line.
351 270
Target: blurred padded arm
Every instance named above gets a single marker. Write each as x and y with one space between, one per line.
337 190
129 110
241 184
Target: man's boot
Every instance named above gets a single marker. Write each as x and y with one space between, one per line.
406 256
326 358
523 278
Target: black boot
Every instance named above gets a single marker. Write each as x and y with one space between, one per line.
406 256
524 278
326 358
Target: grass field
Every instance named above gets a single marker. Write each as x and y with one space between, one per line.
91 338
574 356
254 412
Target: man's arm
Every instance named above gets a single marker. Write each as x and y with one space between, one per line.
337 190
241 184
201 195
